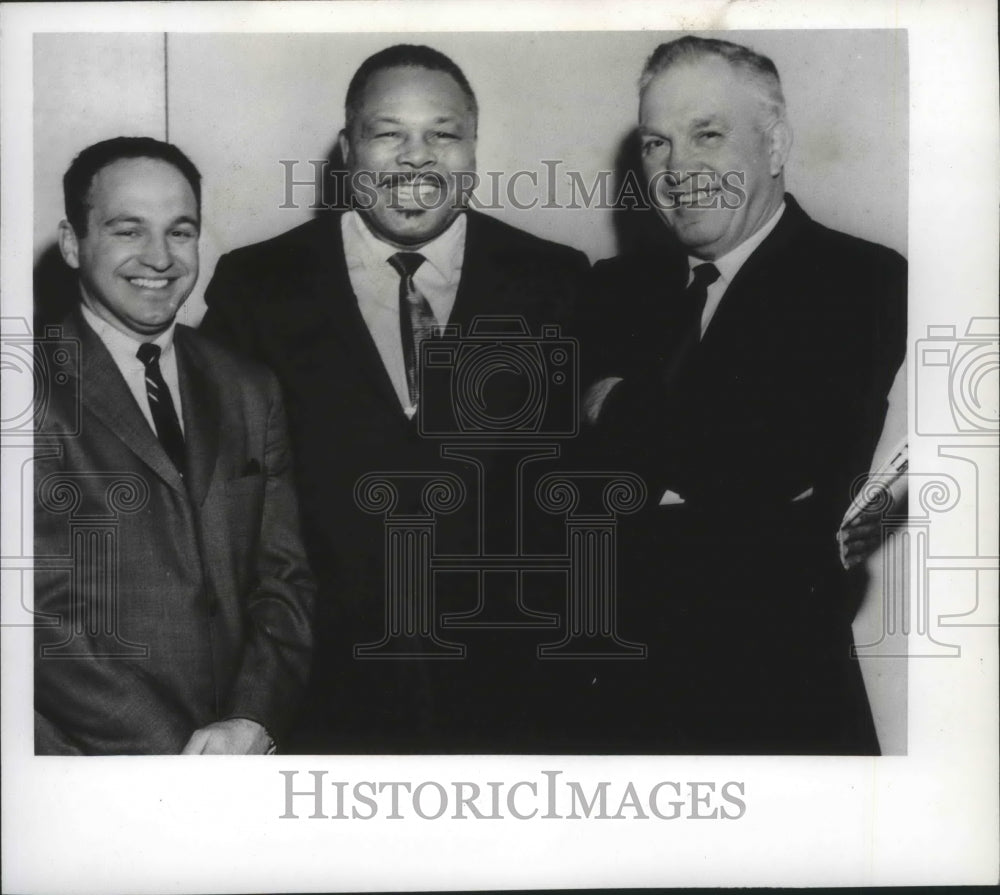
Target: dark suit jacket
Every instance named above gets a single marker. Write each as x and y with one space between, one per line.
739 589
288 302
164 607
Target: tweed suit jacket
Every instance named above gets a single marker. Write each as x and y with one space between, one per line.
163 603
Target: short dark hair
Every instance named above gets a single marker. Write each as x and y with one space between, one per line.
689 48
80 174
402 56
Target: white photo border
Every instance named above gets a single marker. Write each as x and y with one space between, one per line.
179 825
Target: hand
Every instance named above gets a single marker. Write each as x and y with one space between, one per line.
236 736
859 539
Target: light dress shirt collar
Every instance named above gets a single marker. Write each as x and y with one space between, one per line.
729 265
437 278
375 283
123 347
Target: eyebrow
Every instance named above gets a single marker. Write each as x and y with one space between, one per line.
705 121
135 219
390 119
122 219
709 121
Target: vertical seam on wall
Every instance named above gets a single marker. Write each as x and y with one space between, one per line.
166 92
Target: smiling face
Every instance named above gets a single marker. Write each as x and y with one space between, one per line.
138 260
712 154
411 152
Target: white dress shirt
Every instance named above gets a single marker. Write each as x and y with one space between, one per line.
376 286
729 265
123 350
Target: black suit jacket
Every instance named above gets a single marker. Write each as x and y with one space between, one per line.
165 605
288 302
762 431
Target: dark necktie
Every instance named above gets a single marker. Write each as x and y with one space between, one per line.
696 293
416 319
168 429
694 298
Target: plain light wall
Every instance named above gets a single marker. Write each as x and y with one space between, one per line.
238 104
87 88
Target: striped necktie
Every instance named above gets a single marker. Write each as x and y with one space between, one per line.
168 429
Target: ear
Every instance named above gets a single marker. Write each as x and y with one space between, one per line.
68 245
345 147
781 145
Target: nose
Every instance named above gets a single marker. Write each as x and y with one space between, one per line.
674 163
156 253
416 152
682 162
663 164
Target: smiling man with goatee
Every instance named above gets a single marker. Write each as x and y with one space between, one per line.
173 598
338 308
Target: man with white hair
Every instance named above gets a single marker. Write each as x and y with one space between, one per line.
743 370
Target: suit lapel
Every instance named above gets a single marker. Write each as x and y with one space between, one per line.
104 392
754 282
742 311
329 285
478 287
202 417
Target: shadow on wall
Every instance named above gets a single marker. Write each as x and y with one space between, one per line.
637 226
333 188
55 288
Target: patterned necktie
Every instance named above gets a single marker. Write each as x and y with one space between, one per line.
168 429
416 319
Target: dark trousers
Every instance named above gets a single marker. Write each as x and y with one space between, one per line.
748 636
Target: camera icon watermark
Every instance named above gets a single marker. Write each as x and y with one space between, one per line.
957 379
499 381
498 400
62 528
46 365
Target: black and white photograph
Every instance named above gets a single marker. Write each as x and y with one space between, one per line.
531 416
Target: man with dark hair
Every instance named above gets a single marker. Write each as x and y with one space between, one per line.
403 56
80 174
338 308
743 370
180 621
